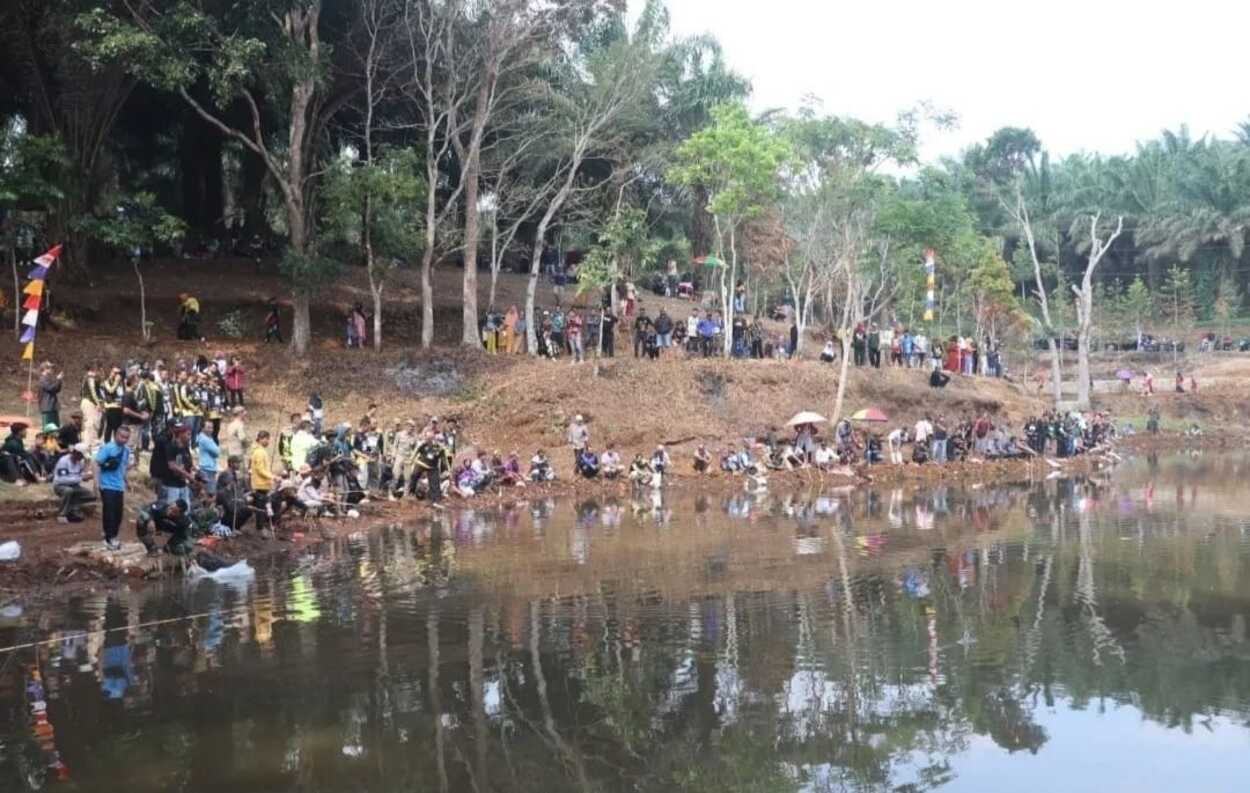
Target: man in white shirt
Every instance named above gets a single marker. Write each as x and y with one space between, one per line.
895 440
924 431
68 476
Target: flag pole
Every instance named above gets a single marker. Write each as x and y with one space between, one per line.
30 382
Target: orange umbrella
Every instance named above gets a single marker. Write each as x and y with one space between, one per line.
870 414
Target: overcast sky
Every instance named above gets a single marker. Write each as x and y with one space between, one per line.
1093 75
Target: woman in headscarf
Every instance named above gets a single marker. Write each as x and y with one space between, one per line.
507 332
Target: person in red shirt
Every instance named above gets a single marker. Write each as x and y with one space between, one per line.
236 381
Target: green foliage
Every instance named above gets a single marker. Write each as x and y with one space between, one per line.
137 223
624 246
1227 304
1176 299
32 169
385 194
737 160
234 325
311 271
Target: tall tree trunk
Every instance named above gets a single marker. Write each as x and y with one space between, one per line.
301 327
145 334
494 258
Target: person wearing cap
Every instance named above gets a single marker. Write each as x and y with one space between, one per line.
403 458
579 438
70 434
50 394
112 463
47 449
68 475
17 465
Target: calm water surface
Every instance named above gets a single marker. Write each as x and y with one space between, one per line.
1074 635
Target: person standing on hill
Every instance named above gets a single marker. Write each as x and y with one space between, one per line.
642 324
607 333
112 463
188 318
50 394
237 439
579 438
236 381
262 480
92 407
273 323
113 391
573 330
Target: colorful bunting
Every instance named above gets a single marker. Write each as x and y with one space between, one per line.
34 301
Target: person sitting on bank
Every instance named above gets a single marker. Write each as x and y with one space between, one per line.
702 460
18 466
828 354
610 463
639 470
938 379
540 468
587 463
68 475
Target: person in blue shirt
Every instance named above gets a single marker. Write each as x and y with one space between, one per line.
209 452
112 463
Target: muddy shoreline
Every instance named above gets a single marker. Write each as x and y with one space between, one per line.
53 571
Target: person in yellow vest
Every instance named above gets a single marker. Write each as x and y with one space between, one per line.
113 391
92 408
189 318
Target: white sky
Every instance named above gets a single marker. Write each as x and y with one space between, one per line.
1094 75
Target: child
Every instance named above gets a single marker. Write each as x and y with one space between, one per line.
540 468
273 330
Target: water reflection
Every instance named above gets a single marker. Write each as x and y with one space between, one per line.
857 640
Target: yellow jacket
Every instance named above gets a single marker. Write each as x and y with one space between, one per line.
262 475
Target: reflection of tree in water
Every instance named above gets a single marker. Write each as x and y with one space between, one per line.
402 674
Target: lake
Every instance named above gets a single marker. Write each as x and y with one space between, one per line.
1083 634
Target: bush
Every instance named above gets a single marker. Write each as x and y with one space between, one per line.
234 325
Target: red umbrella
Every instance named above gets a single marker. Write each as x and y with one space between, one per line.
870 414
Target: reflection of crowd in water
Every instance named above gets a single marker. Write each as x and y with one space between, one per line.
724 660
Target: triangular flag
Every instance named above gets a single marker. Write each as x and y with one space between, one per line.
29 353
28 336
38 274
31 318
32 302
33 288
48 258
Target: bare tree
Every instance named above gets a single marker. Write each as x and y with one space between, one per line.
1085 303
439 92
589 121
1019 212
379 29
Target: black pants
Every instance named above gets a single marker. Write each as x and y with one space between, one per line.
859 356
216 429
609 345
874 357
112 508
260 500
234 397
707 342
273 333
112 420
639 342
434 484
